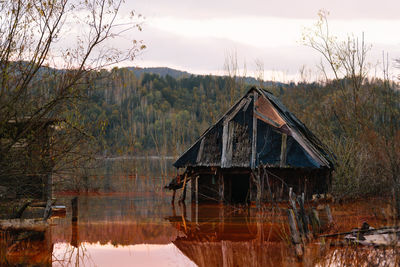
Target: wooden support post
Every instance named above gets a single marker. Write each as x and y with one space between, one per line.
251 184
256 178
197 189
183 215
183 196
173 210
221 187
305 189
254 133
173 197
270 197
74 224
281 192
221 215
74 205
196 214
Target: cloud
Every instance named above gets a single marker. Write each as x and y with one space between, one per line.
306 9
196 35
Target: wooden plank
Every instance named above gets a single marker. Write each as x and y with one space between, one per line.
25 225
266 119
247 104
47 210
294 230
224 145
254 133
283 150
227 135
381 230
200 153
230 116
229 146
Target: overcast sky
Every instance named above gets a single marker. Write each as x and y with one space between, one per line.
196 36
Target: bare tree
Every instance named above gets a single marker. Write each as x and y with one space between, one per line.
259 74
347 60
49 53
235 82
364 133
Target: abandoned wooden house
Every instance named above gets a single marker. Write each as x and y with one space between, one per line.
257 151
26 164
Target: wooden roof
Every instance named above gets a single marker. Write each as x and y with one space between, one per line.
258 129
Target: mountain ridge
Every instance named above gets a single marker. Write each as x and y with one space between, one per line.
177 74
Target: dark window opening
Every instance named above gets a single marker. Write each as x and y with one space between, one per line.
239 187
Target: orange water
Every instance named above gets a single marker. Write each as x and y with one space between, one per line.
139 227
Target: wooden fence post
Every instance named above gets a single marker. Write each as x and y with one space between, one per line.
302 216
74 224
74 205
329 214
315 222
295 235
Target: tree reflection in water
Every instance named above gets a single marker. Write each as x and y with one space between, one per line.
139 227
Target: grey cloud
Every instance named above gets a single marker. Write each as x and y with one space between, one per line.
208 54
339 9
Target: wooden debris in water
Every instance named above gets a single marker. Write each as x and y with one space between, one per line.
26 224
369 236
47 210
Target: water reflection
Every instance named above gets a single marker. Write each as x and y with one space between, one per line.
131 222
232 236
205 235
89 254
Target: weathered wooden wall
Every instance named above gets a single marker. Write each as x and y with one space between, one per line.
26 168
237 185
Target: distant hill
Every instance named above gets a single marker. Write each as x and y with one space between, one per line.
162 71
176 74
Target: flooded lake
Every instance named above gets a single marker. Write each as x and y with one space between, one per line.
129 221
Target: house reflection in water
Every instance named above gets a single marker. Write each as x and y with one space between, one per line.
228 236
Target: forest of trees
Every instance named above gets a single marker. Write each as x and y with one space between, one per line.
161 115
153 114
